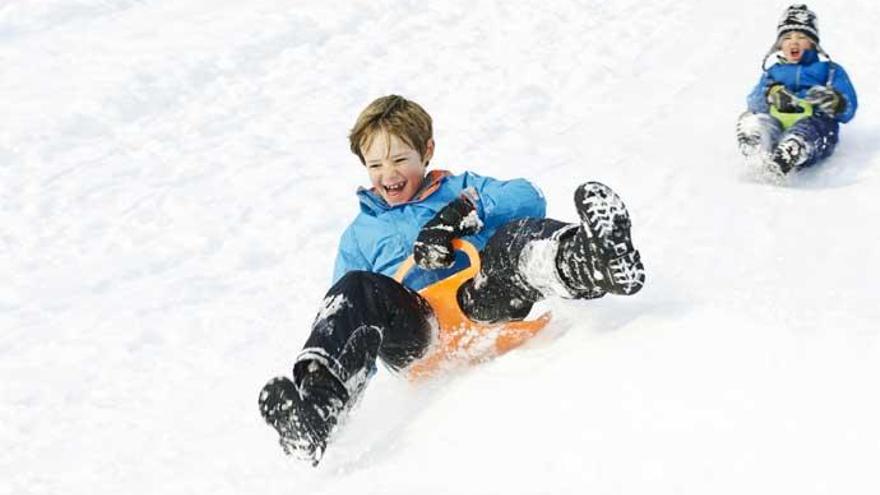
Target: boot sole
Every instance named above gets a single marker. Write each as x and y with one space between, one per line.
606 222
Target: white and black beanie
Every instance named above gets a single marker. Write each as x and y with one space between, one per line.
799 18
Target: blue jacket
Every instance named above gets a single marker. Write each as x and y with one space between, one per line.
381 237
801 76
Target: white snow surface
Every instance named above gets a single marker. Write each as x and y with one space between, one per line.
175 175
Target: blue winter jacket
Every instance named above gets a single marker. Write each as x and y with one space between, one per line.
801 76
381 237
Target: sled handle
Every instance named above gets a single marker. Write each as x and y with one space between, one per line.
458 245
788 119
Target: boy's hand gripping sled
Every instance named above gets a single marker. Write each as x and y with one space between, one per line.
461 339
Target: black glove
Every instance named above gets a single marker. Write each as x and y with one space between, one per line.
433 248
826 99
783 99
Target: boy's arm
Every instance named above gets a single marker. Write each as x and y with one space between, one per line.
501 201
484 201
757 99
842 85
837 99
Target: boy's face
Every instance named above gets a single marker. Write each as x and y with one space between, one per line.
793 44
396 170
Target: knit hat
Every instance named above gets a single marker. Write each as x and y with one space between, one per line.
799 18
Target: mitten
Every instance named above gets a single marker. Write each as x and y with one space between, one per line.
433 247
826 99
781 98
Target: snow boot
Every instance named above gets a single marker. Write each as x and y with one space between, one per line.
757 134
789 154
600 258
304 417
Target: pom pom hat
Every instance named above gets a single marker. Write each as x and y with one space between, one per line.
799 18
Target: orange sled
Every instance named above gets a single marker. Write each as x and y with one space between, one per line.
460 339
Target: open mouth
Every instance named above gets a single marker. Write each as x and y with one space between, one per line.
395 188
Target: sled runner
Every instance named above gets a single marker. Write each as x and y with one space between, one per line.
461 339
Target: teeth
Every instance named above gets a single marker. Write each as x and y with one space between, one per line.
395 187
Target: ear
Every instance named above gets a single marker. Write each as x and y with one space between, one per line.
429 151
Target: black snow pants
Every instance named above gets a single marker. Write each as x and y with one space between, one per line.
367 315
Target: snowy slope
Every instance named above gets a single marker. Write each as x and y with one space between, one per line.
174 176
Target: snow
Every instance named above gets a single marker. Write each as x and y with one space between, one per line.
175 175
537 264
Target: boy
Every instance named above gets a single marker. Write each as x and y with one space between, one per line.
797 75
366 314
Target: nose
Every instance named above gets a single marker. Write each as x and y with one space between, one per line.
389 170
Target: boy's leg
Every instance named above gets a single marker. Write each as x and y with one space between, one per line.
364 315
805 143
529 259
500 292
757 134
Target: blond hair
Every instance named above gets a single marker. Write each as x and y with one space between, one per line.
395 115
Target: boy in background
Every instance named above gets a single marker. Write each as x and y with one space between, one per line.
798 75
